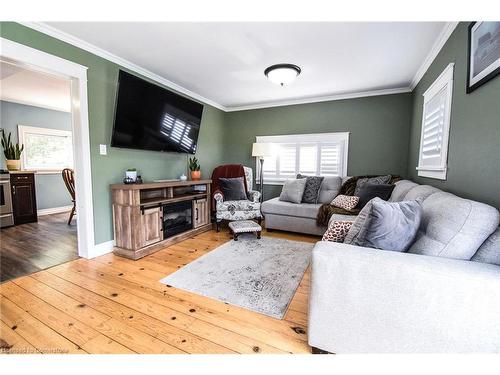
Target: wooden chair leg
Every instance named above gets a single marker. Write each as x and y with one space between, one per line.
72 213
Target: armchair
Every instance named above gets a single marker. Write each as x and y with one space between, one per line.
238 210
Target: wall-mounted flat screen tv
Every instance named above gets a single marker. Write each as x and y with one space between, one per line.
149 117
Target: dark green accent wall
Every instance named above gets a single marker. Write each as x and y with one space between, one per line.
106 170
474 146
378 126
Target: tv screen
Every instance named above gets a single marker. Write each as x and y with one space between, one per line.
149 117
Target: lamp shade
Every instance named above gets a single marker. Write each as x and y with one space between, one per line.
262 149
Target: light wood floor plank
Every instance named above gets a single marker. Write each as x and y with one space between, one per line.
117 305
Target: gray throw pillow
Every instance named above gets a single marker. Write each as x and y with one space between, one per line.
293 190
233 189
373 180
389 226
311 191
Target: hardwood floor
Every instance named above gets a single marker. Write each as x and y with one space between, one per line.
115 305
33 247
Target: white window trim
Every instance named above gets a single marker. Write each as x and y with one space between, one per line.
297 138
22 130
445 79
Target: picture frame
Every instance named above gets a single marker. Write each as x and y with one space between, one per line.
483 58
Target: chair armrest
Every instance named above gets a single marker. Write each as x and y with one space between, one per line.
367 300
218 197
254 196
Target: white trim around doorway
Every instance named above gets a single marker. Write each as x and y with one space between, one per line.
77 75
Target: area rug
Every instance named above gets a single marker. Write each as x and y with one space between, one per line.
258 274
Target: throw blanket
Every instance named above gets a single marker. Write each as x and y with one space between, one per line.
327 210
226 171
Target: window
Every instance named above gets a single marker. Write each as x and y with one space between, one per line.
48 150
436 127
322 154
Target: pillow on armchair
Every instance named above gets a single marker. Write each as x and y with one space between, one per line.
233 189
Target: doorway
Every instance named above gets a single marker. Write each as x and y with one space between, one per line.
79 234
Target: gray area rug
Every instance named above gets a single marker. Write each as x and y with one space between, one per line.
260 275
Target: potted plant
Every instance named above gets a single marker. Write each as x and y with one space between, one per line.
12 153
131 173
194 167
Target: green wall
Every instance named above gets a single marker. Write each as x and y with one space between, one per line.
106 170
378 126
474 147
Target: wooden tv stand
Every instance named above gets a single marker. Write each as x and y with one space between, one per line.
138 214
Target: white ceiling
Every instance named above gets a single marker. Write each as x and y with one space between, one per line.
20 85
224 62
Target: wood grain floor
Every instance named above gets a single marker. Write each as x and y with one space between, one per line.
115 305
33 247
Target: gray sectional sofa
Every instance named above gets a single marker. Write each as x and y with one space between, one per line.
443 295
301 217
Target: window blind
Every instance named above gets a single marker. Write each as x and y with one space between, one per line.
435 127
309 154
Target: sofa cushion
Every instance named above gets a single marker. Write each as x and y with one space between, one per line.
421 192
369 191
401 188
329 189
337 231
311 191
346 202
453 227
278 207
489 252
390 226
293 190
358 224
371 180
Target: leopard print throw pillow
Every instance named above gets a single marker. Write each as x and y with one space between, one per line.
337 231
347 202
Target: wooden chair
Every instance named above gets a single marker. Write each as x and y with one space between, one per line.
68 176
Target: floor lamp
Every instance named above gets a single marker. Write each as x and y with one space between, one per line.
261 150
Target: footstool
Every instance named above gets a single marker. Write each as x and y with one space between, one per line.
244 226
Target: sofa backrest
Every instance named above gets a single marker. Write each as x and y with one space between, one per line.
330 187
451 226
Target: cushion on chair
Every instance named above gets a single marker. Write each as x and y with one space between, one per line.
337 231
293 190
233 188
239 205
453 227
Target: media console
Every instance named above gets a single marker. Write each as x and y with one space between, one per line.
149 216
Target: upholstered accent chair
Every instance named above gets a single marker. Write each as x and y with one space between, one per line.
242 209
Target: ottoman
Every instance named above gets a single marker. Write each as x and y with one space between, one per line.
244 226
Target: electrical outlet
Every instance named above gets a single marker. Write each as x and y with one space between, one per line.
103 150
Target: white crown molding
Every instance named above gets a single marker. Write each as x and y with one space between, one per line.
33 104
437 46
77 42
319 99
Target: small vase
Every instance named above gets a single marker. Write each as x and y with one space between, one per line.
13 165
195 175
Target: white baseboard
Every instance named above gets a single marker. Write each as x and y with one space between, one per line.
54 210
103 248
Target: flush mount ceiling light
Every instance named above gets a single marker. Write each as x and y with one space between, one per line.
282 74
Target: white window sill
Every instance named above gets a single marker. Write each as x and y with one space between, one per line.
436 173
